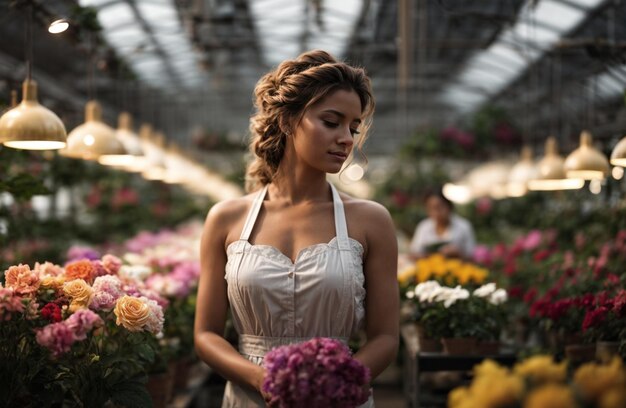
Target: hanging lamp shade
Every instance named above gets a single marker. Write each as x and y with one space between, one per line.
586 162
551 172
130 141
618 156
153 146
522 172
93 139
32 126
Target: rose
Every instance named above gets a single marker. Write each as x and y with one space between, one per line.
82 269
132 313
80 292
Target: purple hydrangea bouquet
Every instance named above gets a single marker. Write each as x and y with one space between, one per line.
317 373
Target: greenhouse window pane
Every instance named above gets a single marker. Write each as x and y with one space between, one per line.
558 15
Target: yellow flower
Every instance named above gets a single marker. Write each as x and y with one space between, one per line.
594 380
490 368
132 313
406 275
614 398
79 292
550 396
493 391
542 369
458 396
52 282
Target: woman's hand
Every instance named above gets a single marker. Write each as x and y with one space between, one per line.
450 250
259 379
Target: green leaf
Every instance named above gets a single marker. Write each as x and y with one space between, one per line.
131 393
146 352
24 186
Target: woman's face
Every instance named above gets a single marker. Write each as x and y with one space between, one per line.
438 209
325 135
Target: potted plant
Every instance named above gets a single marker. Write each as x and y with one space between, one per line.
460 317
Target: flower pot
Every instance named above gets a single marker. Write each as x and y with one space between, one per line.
459 346
606 350
427 344
487 348
159 387
183 368
580 353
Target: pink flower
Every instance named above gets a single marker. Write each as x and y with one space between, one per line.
102 301
98 268
9 303
484 205
82 321
23 281
156 319
482 255
111 263
47 269
317 373
532 240
107 289
56 337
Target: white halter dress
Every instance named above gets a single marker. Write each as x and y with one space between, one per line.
275 301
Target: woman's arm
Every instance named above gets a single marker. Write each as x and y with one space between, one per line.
382 318
212 304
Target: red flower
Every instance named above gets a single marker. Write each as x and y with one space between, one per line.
530 295
619 303
594 317
541 255
51 312
510 269
515 292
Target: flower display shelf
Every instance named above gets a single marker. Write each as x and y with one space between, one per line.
417 362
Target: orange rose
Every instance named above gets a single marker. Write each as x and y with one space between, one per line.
132 313
82 269
79 292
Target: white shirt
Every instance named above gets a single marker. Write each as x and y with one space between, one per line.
459 233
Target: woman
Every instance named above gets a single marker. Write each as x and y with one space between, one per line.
296 259
443 231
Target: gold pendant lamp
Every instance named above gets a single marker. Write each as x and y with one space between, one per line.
30 125
93 139
618 156
153 146
551 172
522 172
586 162
130 141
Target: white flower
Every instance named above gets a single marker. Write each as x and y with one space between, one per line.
135 272
498 297
485 290
134 259
449 296
427 291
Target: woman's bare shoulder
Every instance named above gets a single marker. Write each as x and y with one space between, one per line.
225 214
365 209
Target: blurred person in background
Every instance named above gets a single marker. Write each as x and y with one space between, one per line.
443 231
